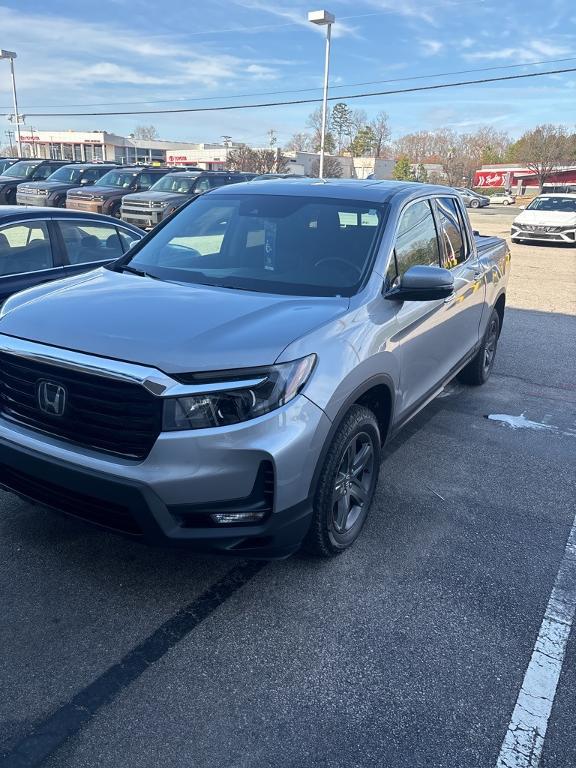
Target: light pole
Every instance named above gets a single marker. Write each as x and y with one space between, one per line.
325 19
11 55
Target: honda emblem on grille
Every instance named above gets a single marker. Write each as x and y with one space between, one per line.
51 397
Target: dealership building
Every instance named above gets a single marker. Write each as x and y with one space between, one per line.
520 179
100 146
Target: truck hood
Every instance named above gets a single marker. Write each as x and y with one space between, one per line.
51 186
5 180
156 197
552 218
95 190
174 327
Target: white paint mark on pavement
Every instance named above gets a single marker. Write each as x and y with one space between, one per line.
522 745
519 422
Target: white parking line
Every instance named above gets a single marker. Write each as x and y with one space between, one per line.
522 745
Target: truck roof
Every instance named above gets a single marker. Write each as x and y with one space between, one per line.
372 190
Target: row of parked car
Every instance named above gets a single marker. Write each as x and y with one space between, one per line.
138 194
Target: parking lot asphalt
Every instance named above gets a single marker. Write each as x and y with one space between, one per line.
409 650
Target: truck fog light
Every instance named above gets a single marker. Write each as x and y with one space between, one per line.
237 517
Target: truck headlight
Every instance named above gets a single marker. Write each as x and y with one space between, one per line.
280 384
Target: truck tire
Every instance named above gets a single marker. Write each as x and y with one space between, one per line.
479 368
346 485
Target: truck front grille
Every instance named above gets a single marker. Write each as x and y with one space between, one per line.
136 205
117 417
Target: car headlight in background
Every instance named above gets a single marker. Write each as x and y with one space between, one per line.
276 386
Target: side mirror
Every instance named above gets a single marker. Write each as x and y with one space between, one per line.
522 207
84 181
422 283
476 233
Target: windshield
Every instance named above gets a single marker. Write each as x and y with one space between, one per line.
65 174
22 170
563 204
122 179
4 164
176 183
269 243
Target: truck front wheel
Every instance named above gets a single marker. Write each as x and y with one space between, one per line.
346 485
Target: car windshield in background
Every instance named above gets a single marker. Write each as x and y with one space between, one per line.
174 184
65 175
269 243
21 170
563 204
121 179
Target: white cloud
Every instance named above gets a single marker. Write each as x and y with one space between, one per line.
411 9
66 45
430 47
525 51
298 17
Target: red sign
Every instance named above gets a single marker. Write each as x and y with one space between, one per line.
490 178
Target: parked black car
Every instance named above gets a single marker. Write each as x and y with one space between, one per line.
106 196
147 209
43 244
25 171
6 162
53 191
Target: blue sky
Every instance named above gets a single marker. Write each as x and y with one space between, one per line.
115 52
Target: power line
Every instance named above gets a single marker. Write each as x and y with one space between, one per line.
229 107
306 90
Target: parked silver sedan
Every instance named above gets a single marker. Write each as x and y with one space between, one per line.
472 199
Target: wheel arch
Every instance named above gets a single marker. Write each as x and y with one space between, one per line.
500 306
377 394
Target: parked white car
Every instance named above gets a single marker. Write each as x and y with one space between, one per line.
548 217
503 198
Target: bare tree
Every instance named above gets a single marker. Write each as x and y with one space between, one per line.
381 130
460 154
544 149
146 132
8 151
314 122
250 160
299 142
243 158
332 167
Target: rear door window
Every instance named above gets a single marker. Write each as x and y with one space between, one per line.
87 242
454 242
127 238
24 248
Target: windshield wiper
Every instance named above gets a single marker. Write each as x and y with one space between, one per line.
139 272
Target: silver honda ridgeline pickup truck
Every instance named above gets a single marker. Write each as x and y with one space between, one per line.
228 385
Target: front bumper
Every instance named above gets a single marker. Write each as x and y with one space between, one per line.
168 499
92 206
24 199
565 236
145 218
